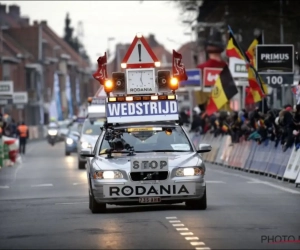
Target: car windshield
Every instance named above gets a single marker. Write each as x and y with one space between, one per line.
74 127
158 140
92 126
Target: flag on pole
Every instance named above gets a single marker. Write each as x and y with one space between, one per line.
178 67
101 74
224 89
233 49
251 50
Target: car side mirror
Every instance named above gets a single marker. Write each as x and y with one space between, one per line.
86 152
204 148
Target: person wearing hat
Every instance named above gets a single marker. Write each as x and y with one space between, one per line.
214 47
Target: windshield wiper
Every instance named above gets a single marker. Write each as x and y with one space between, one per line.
167 150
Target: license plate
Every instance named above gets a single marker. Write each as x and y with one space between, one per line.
149 200
149 164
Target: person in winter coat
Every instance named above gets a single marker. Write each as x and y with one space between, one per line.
286 120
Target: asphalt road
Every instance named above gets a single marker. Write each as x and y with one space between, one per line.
44 205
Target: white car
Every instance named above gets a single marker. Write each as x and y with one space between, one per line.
152 162
88 137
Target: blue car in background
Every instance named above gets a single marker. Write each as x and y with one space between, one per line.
72 138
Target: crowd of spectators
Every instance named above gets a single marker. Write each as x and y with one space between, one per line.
279 125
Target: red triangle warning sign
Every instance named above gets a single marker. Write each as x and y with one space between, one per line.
139 54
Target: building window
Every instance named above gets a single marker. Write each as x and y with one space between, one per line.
30 79
6 72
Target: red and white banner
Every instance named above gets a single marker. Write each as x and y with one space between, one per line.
210 75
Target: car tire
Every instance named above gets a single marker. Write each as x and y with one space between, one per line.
67 153
95 207
81 165
200 204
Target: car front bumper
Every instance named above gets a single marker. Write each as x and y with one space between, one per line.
98 192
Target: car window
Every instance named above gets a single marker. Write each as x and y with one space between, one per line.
172 140
92 127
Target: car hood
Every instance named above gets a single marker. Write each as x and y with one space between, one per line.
175 159
91 139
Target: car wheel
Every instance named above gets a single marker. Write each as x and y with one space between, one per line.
200 204
96 207
81 165
67 153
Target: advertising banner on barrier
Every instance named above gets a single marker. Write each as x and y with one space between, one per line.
252 148
215 148
218 159
275 161
298 179
235 159
292 168
262 153
246 152
227 151
257 159
285 160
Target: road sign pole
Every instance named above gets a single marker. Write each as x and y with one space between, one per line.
191 99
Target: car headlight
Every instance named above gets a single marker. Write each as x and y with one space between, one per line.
107 175
195 171
85 145
52 132
69 141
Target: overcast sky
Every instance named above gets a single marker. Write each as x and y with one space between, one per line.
118 19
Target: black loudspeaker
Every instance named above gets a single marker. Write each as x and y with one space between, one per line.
163 79
118 79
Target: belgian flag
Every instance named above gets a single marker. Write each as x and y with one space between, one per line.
251 50
257 87
233 49
224 89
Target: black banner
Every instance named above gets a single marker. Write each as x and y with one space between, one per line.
279 58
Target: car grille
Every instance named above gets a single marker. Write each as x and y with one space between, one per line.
155 176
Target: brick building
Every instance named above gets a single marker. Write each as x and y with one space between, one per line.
30 56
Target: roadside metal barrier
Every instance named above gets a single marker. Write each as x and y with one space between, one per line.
264 159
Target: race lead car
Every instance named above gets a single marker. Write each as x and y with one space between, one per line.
143 154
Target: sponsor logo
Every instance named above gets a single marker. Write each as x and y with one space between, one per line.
148 190
210 76
140 89
240 68
274 57
194 78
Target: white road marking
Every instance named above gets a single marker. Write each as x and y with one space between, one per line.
178 225
196 243
171 218
192 238
254 180
43 185
186 233
71 203
76 184
174 221
214 181
182 229
4 187
289 190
